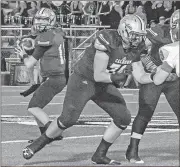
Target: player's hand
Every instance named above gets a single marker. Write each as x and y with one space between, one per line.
172 77
128 70
20 51
118 77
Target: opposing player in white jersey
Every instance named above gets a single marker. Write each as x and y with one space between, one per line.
169 53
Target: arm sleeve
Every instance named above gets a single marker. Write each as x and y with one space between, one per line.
39 51
166 67
157 38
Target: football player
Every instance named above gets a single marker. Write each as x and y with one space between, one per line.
27 42
106 62
49 49
149 94
169 53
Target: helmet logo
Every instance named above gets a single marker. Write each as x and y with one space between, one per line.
128 26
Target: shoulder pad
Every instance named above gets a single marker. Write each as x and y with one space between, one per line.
99 46
45 38
108 38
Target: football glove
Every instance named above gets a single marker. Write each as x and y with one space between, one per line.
172 77
118 77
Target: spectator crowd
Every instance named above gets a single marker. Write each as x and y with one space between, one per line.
92 12
154 13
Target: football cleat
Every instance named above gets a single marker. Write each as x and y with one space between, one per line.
27 153
104 160
36 146
132 156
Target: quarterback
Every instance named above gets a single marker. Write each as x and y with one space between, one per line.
49 49
106 62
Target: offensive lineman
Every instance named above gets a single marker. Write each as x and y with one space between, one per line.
49 49
149 94
104 64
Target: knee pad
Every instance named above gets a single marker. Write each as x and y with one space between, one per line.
122 123
123 127
60 125
69 116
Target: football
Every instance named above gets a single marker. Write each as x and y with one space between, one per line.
28 44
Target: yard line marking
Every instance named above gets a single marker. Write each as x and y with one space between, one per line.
87 115
57 95
60 95
93 136
131 102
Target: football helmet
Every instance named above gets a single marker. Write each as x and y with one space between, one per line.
44 19
174 26
132 30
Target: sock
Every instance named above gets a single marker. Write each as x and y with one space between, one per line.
103 147
138 129
100 155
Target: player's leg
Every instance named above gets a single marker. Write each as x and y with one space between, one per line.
113 103
171 92
78 93
149 95
42 96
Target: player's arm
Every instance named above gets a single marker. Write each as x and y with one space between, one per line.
157 38
161 75
139 74
163 72
30 61
100 65
101 60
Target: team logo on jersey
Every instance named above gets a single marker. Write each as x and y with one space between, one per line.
123 61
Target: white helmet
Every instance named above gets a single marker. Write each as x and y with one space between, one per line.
132 30
174 26
44 19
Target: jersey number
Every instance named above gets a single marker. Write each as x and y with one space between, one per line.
117 68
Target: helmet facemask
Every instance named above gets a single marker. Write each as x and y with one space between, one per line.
41 25
135 39
174 26
174 31
44 19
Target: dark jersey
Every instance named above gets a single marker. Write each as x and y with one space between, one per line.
118 57
52 61
159 36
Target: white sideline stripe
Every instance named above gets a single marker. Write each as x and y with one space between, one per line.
25 103
88 126
60 95
18 91
93 136
94 124
92 116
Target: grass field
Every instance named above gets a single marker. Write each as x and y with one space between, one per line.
159 145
